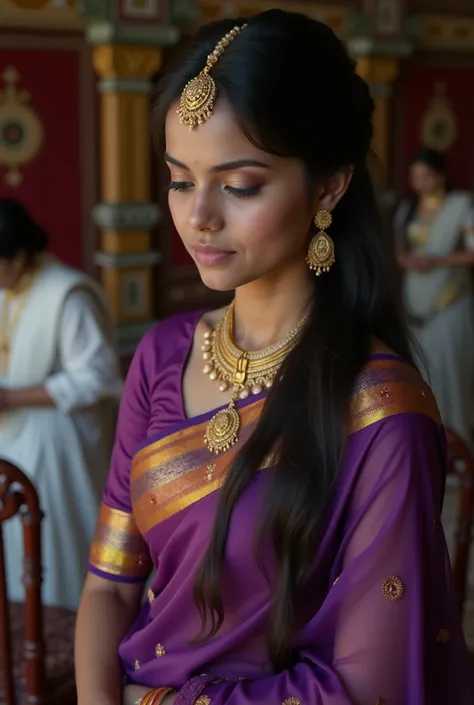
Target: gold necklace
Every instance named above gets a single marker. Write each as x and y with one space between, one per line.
8 325
247 373
433 201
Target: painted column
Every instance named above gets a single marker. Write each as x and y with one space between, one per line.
127 41
126 213
380 73
378 38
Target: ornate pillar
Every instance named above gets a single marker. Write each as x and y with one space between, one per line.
378 41
126 214
128 40
380 73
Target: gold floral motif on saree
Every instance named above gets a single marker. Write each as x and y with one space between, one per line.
118 547
393 589
176 471
160 650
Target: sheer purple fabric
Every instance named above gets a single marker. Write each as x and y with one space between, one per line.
380 620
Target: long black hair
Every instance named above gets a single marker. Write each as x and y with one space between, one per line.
19 232
296 94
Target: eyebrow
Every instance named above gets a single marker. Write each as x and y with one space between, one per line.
228 166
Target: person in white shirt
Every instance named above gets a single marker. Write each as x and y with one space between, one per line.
59 391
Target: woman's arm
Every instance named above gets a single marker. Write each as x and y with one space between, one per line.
119 561
463 258
105 614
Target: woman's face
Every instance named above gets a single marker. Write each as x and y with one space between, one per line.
243 214
426 181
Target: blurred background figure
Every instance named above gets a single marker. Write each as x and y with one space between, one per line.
59 387
435 248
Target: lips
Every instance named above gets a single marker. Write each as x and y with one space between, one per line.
208 255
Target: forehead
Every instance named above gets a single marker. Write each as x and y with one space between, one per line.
218 140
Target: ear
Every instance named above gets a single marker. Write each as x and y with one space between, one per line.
333 189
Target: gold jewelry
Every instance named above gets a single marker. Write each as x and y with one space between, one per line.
433 201
8 325
320 257
247 373
154 696
199 95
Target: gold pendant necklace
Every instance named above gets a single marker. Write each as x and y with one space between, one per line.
247 373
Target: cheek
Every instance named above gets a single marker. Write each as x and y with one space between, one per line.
179 213
279 223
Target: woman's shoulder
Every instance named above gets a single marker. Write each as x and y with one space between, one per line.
388 386
171 332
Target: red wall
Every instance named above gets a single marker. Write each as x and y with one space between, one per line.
417 86
51 185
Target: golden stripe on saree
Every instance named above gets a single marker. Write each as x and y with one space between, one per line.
118 548
178 470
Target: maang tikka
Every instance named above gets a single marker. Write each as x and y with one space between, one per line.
320 257
199 95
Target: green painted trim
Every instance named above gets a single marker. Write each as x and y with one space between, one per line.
100 32
126 216
127 261
366 46
124 85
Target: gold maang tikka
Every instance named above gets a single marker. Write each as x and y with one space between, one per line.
199 95
321 256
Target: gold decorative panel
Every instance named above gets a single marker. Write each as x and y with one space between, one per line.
41 13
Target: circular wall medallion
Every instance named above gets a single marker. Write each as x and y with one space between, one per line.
12 133
21 130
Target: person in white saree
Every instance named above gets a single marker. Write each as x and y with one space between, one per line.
435 240
59 391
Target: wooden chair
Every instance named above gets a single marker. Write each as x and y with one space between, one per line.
36 642
461 465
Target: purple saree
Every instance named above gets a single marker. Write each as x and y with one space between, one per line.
381 625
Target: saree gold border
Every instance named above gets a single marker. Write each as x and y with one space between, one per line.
111 554
117 519
190 439
119 563
404 393
192 487
384 400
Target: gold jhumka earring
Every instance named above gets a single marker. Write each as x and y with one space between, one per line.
320 257
199 95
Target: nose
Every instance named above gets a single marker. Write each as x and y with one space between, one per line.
205 215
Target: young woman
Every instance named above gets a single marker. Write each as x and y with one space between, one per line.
279 465
436 250
59 390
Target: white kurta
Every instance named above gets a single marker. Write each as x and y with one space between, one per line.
64 449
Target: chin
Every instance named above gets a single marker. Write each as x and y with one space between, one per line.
222 280
218 281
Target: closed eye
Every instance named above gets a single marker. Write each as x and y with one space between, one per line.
243 192
179 185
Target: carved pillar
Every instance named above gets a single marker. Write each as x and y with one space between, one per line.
378 40
380 73
126 214
128 41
